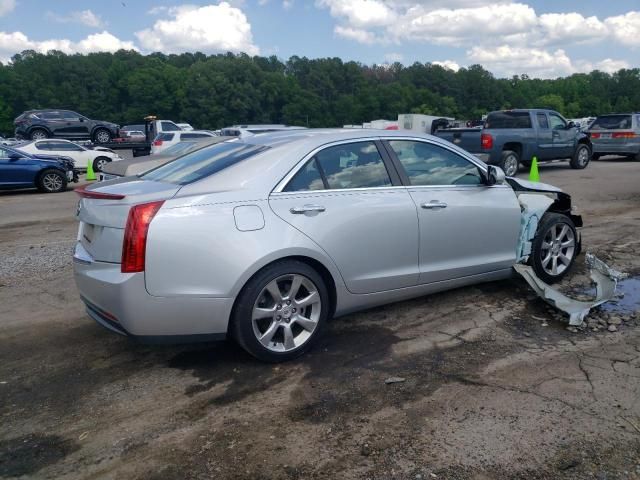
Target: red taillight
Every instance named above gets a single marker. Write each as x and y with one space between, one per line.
157 143
623 135
84 193
593 135
487 141
135 236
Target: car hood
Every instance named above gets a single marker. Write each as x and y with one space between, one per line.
126 168
524 185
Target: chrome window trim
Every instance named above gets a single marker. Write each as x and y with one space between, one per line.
296 168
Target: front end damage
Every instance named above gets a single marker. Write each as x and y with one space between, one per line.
535 200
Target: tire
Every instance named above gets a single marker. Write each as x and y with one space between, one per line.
258 313
99 163
38 134
102 135
637 157
547 249
51 181
581 157
595 157
509 162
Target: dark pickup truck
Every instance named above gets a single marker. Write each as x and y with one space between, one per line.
513 137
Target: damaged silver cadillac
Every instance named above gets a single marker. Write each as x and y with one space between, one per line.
263 239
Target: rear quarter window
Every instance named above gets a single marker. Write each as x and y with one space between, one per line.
611 122
203 163
508 120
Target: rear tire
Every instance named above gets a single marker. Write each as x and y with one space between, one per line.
554 248
281 326
51 181
38 134
510 162
102 135
581 157
99 163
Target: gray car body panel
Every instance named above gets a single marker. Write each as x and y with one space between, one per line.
368 240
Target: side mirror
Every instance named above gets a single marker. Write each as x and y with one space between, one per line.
495 175
14 156
81 119
571 125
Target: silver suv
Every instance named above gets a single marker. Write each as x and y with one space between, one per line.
616 134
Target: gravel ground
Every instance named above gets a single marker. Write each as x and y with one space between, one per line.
484 382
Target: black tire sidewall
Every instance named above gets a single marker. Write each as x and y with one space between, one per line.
241 327
535 260
575 163
95 163
40 183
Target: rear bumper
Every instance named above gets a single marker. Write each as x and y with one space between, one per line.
120 302
485 157
624 149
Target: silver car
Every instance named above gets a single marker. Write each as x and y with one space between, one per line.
616 134
265 238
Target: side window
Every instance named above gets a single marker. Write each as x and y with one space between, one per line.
170 127
308 178
4 153
557 123
43 145
428 164
70 116
542 121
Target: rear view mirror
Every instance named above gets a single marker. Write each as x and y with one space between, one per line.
495 175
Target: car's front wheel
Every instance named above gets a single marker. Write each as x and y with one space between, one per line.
100 162
102 135
554 247
581 157
51 181
281 311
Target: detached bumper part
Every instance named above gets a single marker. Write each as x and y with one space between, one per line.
605 278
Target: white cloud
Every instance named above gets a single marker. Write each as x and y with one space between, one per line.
7 6
358 34
625 28
15 42
607 65
393 57
84 17
506 60
287 4
448 64
209 29
570 27
360 13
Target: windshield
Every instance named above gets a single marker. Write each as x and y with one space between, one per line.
179 148
202 163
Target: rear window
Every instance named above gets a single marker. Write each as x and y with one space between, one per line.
178 148
508 120
165 137
193 135
611 122
202 163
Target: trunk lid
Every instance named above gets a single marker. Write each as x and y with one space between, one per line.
102 221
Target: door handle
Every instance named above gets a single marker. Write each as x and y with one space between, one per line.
433 204
307 209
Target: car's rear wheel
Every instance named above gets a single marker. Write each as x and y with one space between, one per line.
509 162
581 157
102 135
38 134
554 247
51 181
100 162
281 311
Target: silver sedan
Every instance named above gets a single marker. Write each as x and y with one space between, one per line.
265 238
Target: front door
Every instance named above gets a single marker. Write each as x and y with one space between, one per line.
563 136
348 200
466 227
76 125
545 138
15 172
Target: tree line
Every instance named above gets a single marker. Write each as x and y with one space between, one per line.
213 91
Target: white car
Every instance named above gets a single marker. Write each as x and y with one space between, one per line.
185 126
165 140
80 155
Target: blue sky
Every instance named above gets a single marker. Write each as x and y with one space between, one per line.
542 38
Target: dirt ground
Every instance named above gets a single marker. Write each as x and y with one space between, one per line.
494 386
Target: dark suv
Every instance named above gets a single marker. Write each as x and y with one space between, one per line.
39 124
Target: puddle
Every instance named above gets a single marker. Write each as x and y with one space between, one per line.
630 303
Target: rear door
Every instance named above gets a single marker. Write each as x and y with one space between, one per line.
348 199
466 227
563 136
545 137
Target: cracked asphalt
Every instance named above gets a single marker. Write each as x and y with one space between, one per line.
494 385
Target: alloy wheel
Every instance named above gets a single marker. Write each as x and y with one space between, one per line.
38 135
103 136
510 165
558 249
583 156
100 164
286 313
52 182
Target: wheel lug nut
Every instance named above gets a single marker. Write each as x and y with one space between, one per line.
288 302
279 307
278 317
293 310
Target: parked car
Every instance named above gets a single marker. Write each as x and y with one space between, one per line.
134 136
263 239
40 124
137 166
164 140
185 126
81 156
513 137
47 173
248 130
616 134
